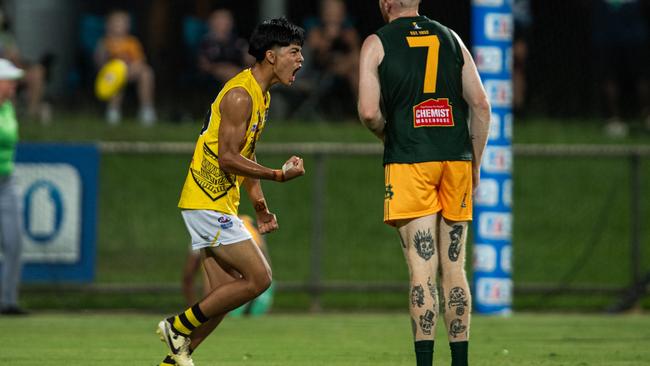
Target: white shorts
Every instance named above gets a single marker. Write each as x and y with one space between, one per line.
212 228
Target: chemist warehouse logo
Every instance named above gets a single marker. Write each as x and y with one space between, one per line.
433 113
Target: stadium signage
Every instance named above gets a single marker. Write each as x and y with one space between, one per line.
499 91
495 225
495 127
51 202
494 291
498 26
488 193
492 24
489 59
57 188
485 258
497 159
493 3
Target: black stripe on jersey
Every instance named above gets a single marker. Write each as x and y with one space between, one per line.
206 121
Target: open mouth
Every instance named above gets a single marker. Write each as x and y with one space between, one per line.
293 75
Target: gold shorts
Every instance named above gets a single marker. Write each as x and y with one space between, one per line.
421 189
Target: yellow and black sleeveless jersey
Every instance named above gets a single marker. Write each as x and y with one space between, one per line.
207 187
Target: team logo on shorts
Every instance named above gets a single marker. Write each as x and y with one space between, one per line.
225 222
388 193
433 113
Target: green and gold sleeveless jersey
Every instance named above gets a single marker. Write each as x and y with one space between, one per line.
208 187
422 93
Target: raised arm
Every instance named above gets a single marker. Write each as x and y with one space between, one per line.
479 106
236 108
372 52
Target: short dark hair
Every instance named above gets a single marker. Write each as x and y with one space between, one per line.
274 32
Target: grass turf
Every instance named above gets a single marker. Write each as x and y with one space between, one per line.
103 339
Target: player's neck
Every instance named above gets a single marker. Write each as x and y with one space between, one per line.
263 75
404 13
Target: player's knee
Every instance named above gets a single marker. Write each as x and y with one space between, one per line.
259 283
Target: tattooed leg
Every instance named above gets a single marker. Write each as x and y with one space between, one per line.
419 247
452 241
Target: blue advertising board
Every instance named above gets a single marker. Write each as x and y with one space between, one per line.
57 192
492 25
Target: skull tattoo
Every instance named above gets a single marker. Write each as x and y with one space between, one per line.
424 244
458 299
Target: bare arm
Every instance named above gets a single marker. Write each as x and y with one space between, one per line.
372 52
479 106
266 221
236 108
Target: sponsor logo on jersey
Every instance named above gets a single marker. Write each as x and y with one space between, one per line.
416 26
433 113
485 258
494 3
497 160
494 291
495 225
498 26
489 59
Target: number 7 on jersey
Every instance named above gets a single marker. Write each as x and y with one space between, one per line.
432 43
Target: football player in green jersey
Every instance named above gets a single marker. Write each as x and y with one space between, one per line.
418 89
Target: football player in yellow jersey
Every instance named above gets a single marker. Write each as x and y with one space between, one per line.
224 159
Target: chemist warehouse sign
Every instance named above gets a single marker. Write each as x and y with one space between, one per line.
57 192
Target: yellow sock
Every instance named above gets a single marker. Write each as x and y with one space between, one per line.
168 361
185 322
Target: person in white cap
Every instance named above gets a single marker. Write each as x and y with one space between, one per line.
10 242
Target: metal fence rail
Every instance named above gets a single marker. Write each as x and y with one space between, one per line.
315 285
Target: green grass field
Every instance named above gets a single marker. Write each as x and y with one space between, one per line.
103 339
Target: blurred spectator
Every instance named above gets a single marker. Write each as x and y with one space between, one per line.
334 45
34 80
523 21
10 241
222 54
620 40
118 43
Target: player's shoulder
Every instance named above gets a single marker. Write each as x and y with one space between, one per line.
237 97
